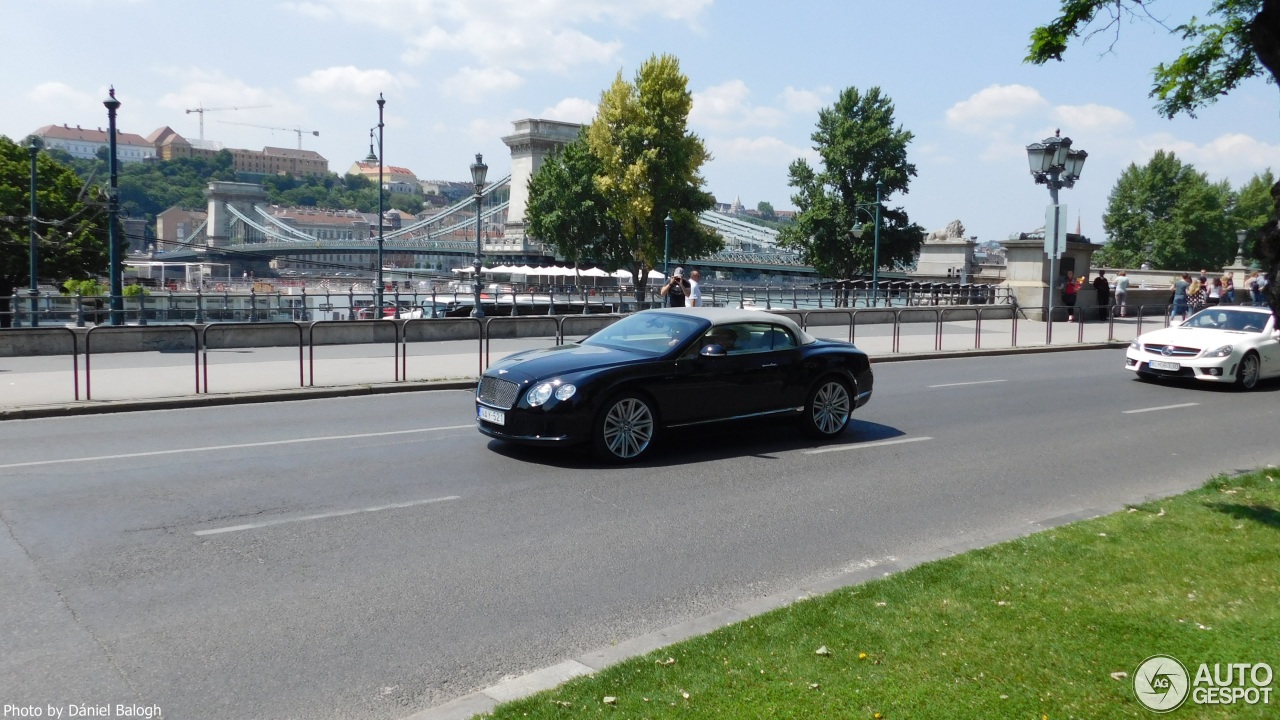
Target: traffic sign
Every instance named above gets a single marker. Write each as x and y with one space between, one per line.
1055 219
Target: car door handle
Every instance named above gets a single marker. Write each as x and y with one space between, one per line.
769 365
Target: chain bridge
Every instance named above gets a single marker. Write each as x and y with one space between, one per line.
240 223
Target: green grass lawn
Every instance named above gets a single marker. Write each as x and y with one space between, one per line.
1033 628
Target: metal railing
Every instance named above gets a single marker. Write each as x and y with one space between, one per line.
560 327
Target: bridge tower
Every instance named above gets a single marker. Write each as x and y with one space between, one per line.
223 229
531 143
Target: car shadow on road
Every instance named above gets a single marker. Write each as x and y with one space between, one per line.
687 446
1264 386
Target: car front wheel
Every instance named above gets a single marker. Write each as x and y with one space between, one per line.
625 429
1249 371
826 411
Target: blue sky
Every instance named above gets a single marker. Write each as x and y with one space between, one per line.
456 74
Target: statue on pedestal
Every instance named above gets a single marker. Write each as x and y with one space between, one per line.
953 232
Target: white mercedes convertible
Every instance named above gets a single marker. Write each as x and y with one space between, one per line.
1225 343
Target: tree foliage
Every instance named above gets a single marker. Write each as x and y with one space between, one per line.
649 168
1234 41
567 210
859 143
766 211
71 226
1169 214
1253 208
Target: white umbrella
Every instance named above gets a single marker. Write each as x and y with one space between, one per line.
655 275
595 272
622 274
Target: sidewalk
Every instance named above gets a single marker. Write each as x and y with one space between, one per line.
46 386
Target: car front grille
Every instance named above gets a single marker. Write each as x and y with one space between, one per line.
1171 350
497 392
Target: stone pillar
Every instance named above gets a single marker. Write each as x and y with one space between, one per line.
1027 272
243 196
531 143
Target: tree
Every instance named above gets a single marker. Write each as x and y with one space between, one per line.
649 168
858 143
1240 39
1253 207
766 210
1175 211
71 232
567 211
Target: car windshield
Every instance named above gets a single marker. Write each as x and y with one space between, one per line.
649 333
1222 319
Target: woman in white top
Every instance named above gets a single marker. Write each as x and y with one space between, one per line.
1122 291
1214 294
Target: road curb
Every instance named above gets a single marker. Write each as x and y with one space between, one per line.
94 407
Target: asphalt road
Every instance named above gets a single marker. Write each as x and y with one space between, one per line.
370 557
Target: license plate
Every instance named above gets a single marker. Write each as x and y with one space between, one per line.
1165 365
497 417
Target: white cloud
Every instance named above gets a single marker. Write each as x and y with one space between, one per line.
349 87
757 151
993 108
62 95
575 110
473 84
804 101
1233 156
513 34
1096 118
726 106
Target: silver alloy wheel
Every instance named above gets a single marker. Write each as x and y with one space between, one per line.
628 428
1248 372
830 411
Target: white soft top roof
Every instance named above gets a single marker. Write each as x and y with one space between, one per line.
726 316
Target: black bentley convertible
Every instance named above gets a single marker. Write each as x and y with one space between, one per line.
661 369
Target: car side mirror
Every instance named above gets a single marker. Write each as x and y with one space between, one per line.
712 350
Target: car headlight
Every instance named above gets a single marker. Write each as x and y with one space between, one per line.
1223 351
540 394
1135 345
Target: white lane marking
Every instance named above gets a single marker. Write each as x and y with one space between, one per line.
1162 407
977 382
210 448
859 446
321 516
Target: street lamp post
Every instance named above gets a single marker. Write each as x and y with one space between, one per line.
1240 237
875 251
666 255
33 147
113 210
377 313
478 172
1055 164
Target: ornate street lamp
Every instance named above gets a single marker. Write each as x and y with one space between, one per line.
377 313
1054 163
875 252
113 210
1240 237
666 255
33 147
478 172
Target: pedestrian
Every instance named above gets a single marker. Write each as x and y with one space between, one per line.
1229 288
1262 289
1178 300
676 289
1195 297
1069 288
1213 295
695 289
1204 277
1122 291
1102 289
1255 291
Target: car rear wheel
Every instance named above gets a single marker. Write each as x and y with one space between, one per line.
625 429
826 411
1249 372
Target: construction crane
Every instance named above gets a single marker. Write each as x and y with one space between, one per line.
202 110
297 130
